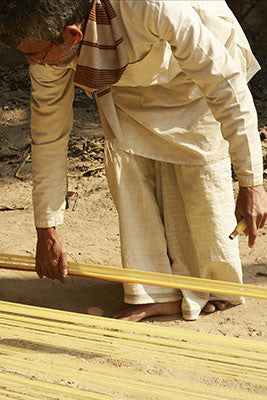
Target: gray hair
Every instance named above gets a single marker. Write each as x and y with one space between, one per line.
40 20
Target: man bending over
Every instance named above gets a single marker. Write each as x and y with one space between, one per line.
170 80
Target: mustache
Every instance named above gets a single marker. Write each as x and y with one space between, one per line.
68 54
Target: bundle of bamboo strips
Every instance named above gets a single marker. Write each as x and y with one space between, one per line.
51 354
25 263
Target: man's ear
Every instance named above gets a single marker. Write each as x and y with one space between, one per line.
72 34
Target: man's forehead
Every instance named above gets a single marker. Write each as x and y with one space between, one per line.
28 46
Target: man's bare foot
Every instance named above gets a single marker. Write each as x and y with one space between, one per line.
138 312
212 306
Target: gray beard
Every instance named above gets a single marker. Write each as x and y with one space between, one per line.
69 53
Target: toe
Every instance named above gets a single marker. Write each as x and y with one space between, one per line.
209 308
221 305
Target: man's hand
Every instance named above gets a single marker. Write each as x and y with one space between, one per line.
51 255
252 205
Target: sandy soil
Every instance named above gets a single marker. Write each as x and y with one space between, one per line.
91 228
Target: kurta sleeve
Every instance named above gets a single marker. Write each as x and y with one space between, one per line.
206 61
51 122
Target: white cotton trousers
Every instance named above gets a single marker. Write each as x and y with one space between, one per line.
174 219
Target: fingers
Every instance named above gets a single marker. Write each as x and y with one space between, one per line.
38 269
252 230
254 223
252 205
53 269
51 256
38 265
48 268
63 267
262 221
238 215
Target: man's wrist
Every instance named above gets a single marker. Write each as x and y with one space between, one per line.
46 232
250 187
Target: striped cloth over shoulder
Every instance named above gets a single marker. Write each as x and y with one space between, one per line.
103 57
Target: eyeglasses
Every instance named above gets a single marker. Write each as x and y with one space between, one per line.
48 50
45 52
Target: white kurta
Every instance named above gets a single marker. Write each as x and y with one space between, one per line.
187 63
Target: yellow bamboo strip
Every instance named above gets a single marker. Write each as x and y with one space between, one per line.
194 353
7 393
103 369
145 354
126 326
5 396
213 366
81 343
46 387
149 278
186 348
222 354
240 227
167 339
101 379
135 382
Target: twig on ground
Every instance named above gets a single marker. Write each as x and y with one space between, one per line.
26 156
90 172
14 208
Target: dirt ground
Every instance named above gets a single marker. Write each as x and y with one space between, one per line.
91 227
